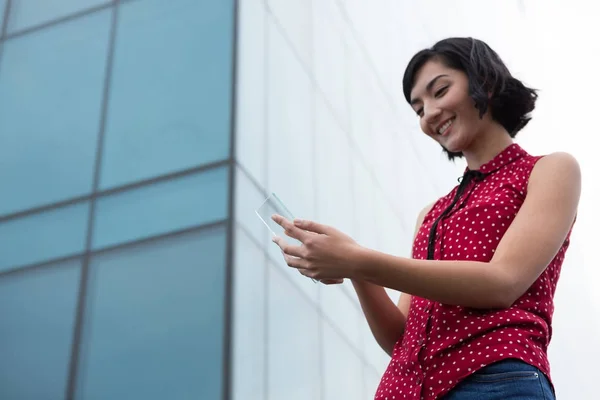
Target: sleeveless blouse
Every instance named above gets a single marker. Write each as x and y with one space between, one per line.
443 344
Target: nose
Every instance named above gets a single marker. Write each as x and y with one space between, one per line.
431 113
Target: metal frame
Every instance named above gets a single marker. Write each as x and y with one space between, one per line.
84 281
115 190
228 289
4 26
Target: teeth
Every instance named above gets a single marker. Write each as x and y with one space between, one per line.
444 127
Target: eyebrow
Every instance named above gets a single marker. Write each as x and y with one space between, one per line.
428 87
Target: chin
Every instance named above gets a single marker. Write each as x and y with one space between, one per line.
455 144
452 148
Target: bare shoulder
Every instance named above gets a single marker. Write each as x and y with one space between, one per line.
423 213
558 170
421 217
555 162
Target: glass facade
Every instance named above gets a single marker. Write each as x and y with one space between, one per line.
115 154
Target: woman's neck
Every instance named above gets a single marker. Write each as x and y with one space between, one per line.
489 144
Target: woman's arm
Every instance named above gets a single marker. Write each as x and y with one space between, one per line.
386 319
528 246
530 243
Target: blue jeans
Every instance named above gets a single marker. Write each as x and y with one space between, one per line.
504 380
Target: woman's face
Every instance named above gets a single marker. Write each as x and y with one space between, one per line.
440 97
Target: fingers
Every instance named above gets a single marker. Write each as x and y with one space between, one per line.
287 248
297 256
294 262
291 254
299 229
311 226
290 229
304 268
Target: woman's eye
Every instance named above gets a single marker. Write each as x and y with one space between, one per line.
420 112
441 91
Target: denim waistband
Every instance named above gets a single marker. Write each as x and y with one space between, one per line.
508 365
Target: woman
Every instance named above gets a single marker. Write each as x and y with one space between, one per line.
475 316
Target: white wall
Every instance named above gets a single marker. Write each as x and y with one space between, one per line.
322 122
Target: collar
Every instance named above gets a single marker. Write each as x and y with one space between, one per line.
510 154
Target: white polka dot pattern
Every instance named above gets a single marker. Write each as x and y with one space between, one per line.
444 344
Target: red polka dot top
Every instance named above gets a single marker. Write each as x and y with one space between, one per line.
443 344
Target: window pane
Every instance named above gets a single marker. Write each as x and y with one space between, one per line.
361 94
343 312
28 13
397 239
44 236
333 171
50 95
250 124
290 127
249 336
296 21
161 207
372 379
329 62
364 200
343 370
2 7
247 199
170 99
293 342
290 133
154 321
37 310
374 354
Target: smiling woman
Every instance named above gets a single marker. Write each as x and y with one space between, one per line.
474 319
456 73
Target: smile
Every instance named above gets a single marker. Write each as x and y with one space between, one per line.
442 129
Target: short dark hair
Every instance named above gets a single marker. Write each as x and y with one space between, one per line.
511 102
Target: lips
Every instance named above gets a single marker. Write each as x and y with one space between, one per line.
444 128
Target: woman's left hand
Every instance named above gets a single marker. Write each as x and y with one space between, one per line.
325 254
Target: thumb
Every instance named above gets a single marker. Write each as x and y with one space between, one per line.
311 226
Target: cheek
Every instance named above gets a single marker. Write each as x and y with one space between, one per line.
471 117
424 127
467 108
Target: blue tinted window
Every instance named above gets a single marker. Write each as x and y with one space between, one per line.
162 207
2 7
50 95
44 236
28 13
154 321
169 104
37 310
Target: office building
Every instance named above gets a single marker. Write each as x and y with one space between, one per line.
137 137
